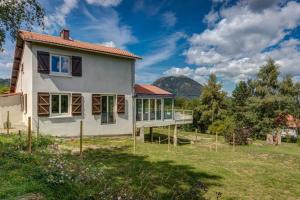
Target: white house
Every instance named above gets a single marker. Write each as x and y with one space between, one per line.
60 81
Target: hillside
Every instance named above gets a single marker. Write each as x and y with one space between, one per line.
4 82
181 86
4 85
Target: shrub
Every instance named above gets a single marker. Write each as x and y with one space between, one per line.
222 127
241 136
41 142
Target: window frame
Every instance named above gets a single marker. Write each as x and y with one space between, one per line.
107 109
67 114
60 73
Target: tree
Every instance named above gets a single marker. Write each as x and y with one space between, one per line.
241 93
267 79
15 14
212 103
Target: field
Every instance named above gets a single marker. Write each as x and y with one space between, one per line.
110 170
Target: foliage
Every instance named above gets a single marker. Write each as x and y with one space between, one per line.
212 103
258 102
239 136
20 142
15 14
222 127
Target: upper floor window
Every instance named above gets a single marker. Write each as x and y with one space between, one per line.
60 65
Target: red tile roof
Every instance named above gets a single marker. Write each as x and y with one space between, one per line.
150 90
49 39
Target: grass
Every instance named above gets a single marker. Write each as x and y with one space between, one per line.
109 170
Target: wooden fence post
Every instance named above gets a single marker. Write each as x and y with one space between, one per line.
29 135
20 138
169 132
216 142
175 135
38 127
134 138
81 128
196 139
233 140
151 133
7 123
158 139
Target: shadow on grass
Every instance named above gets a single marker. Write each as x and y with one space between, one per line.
163 138
151 180
113 174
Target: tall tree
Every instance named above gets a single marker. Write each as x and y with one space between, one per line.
241 93
212 102
15 14
267 79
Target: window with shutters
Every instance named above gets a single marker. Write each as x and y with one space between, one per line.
108 109
60 65
60 104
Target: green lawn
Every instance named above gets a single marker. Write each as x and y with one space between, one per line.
110 170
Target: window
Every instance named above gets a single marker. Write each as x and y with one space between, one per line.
145 109
168 114
138 109
60 104
152 109
108 109
60 65
158 109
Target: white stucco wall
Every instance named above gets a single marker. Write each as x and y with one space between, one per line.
13 105
24 82
101 74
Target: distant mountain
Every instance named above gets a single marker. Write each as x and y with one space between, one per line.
4 82
181 86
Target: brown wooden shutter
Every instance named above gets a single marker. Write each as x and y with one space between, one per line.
121 104
76 104
43 59
76 66
43 104
96 104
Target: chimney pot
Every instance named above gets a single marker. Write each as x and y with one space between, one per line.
65 34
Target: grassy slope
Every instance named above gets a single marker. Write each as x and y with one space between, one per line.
251 172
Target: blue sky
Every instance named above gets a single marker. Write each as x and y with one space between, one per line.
191 37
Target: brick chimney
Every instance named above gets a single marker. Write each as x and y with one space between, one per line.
65 34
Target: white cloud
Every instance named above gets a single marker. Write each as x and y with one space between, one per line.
167 49
109 44
244 37
6 59
211 18
57 20
177 71
104 3
169 19
199 74
108 27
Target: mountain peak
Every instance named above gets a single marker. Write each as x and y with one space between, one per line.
181 86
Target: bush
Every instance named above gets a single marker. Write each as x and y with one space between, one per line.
222 127
41 142
241 136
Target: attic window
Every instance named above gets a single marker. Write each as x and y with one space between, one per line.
60 65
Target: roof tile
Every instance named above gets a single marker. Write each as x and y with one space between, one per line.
49 39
